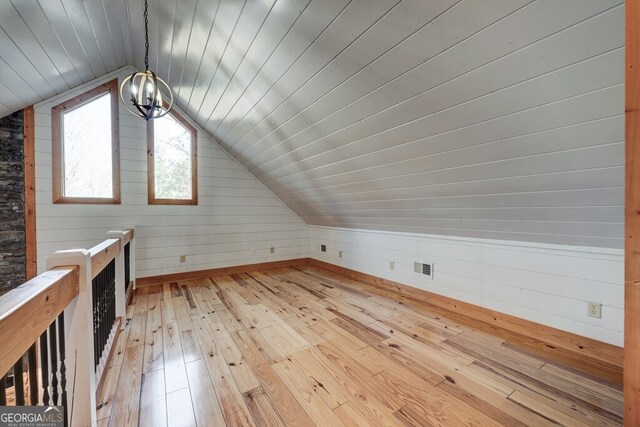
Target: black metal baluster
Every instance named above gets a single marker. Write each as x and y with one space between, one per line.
112 304
95 290
18 383
63 368
103 306
107 313
101 318
127 266
102 313
33 376
96 340
112 299
54 363
104 309
44 366
3 391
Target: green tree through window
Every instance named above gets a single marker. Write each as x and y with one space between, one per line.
172 161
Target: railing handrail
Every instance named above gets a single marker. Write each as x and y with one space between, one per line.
102 254
127 235
27 311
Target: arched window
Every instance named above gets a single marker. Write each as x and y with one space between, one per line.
172 161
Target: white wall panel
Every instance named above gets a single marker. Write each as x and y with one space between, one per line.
229 226
547 284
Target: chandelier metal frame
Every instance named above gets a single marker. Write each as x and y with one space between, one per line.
144 88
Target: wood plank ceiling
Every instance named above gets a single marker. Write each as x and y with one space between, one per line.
499 119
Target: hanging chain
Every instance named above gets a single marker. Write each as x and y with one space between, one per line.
146 35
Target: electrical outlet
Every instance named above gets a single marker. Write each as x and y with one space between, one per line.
339 254
594 309
392 265
272 249
183 258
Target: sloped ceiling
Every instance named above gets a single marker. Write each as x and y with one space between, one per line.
494 118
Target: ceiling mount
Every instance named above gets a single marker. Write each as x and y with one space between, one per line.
143 93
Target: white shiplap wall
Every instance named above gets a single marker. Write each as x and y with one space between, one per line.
236 221
544 283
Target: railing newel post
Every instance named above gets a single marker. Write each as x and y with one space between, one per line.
132 255
78 336
121 303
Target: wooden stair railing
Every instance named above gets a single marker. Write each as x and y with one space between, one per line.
58 328
32 333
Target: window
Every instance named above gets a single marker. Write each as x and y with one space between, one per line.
172 161
86 163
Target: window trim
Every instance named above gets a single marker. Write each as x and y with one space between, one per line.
153 200
57 114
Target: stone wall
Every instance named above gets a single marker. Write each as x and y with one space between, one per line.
12 233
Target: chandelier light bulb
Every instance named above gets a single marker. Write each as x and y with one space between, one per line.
142 94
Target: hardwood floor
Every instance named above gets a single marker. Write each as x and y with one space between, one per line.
303 346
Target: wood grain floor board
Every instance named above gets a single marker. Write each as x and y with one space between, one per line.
180 409
350 416
604 404
261 408
350 368
306 394
108 392
229 397
329 331
207 301
584 381
153 351
153 400
190 348
168 314
242 373
281 397
431 402
126 405
139 322
363 401
304 346
205 400
319 378
561 399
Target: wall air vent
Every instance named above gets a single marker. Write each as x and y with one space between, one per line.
323 248
424 269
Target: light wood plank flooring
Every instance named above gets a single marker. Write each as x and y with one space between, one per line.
304 347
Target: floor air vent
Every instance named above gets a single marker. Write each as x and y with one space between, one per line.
422 268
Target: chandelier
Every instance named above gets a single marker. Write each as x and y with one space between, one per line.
142 92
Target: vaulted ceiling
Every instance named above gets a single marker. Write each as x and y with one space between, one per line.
494 118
